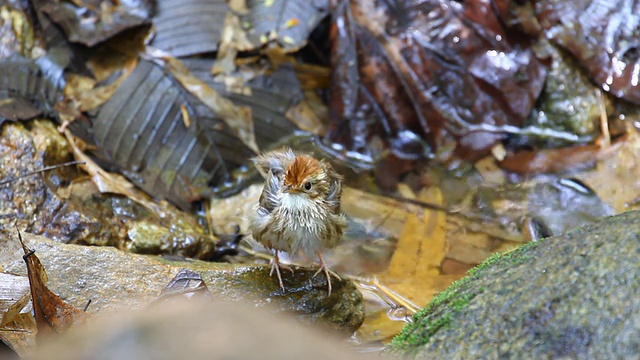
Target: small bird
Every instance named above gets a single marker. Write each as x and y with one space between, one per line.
299 209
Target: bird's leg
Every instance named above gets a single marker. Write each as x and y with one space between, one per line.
275 265
327 271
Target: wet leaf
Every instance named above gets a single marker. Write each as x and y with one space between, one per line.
461 76
141 131
53 316
91 22
270 96
414 270
603 36
188 27
288 22
238 118
421 247
557 161
26 90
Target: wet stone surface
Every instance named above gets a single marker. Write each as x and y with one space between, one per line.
571 296
115 280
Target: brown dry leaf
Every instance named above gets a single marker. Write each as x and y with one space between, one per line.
53 316
233 40
238 118
12 287
19 334
308 114
616 178
109 182
313 77
88 100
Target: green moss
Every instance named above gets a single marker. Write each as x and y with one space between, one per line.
445 305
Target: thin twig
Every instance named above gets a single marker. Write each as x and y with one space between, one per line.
392 297
46 168
604 122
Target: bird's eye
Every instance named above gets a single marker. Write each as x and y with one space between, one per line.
307 185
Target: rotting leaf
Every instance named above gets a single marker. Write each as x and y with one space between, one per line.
238 118
28 90
53 316
186 283
440 73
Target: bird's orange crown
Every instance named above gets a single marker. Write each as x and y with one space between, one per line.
300 169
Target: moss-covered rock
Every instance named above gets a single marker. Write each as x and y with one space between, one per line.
568 296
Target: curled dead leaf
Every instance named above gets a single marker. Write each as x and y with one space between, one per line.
53 316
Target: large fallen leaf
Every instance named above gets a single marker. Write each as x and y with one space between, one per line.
270 95
238 118
53 316
26 90
142 130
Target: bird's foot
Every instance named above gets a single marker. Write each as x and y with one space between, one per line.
276 265
327 272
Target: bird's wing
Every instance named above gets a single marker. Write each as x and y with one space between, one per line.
269 198
333 196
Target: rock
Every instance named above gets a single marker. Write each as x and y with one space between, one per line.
196 330
65 205
570 296
115 281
